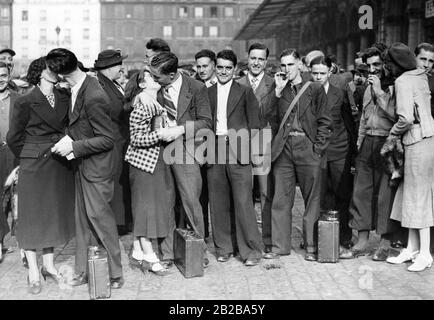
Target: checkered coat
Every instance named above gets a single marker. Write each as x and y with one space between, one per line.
144 148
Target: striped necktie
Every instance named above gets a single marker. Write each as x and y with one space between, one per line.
169 105
254 83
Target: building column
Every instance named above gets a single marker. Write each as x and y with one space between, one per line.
340 54
416 30
351 53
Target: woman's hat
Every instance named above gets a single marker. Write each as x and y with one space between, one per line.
401 55
109 58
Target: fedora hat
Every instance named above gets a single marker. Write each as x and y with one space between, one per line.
109 58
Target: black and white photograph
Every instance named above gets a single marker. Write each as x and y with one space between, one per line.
219 154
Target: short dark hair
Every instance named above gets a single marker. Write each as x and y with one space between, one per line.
228 55
5 65
205 53
166 62
158 45
371 52
423 46
259 46
327 61
380 46
62 61
35 70
290 52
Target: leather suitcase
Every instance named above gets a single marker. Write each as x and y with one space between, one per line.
188 252
328 237
99 279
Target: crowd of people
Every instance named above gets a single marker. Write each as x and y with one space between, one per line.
92 155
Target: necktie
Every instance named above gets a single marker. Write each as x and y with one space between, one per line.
169 105
254 83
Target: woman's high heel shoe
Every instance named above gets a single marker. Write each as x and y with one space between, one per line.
51 276
421 263
404 256
34 287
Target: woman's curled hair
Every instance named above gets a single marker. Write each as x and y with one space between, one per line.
35 70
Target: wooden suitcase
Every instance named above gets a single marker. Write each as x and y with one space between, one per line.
328 237
99 279
188 252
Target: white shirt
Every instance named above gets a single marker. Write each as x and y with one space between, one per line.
259 78
222 107
326 87
211 82
75 89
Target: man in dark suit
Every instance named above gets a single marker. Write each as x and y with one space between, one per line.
187 105
298 150
90 141
337 180
7 159
108 65
234 109
263 87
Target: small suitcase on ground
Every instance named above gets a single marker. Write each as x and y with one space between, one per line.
328 237
188 252
99 279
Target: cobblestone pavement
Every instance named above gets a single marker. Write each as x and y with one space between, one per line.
287 278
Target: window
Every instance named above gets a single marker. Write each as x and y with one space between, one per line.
86 15
214 12
43 15
229 11
183 12
24 15
86 53
42 35
198 12
86 35
67 33
167 31
198 31
67 15
5 13
213 31
24 33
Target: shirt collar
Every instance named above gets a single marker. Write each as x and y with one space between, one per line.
78 85
327 87
211 82
176 85
6 95
258 77
227 85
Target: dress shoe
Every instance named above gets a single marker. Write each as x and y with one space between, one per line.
34 287
50 276
252 262
347 244
397 244
267 249
117 283
205 263
309 256
381 254
421 263
168 263
353 253
404 256
271 255
224 257
78 279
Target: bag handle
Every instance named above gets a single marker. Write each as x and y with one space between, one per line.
293 103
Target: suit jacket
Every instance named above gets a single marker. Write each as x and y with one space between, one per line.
91 128
314 117
193 105
33 116
117 113
242 113
344 136
264 93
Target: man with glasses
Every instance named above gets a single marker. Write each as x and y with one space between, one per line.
298 150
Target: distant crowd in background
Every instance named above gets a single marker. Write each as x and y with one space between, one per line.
89 143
